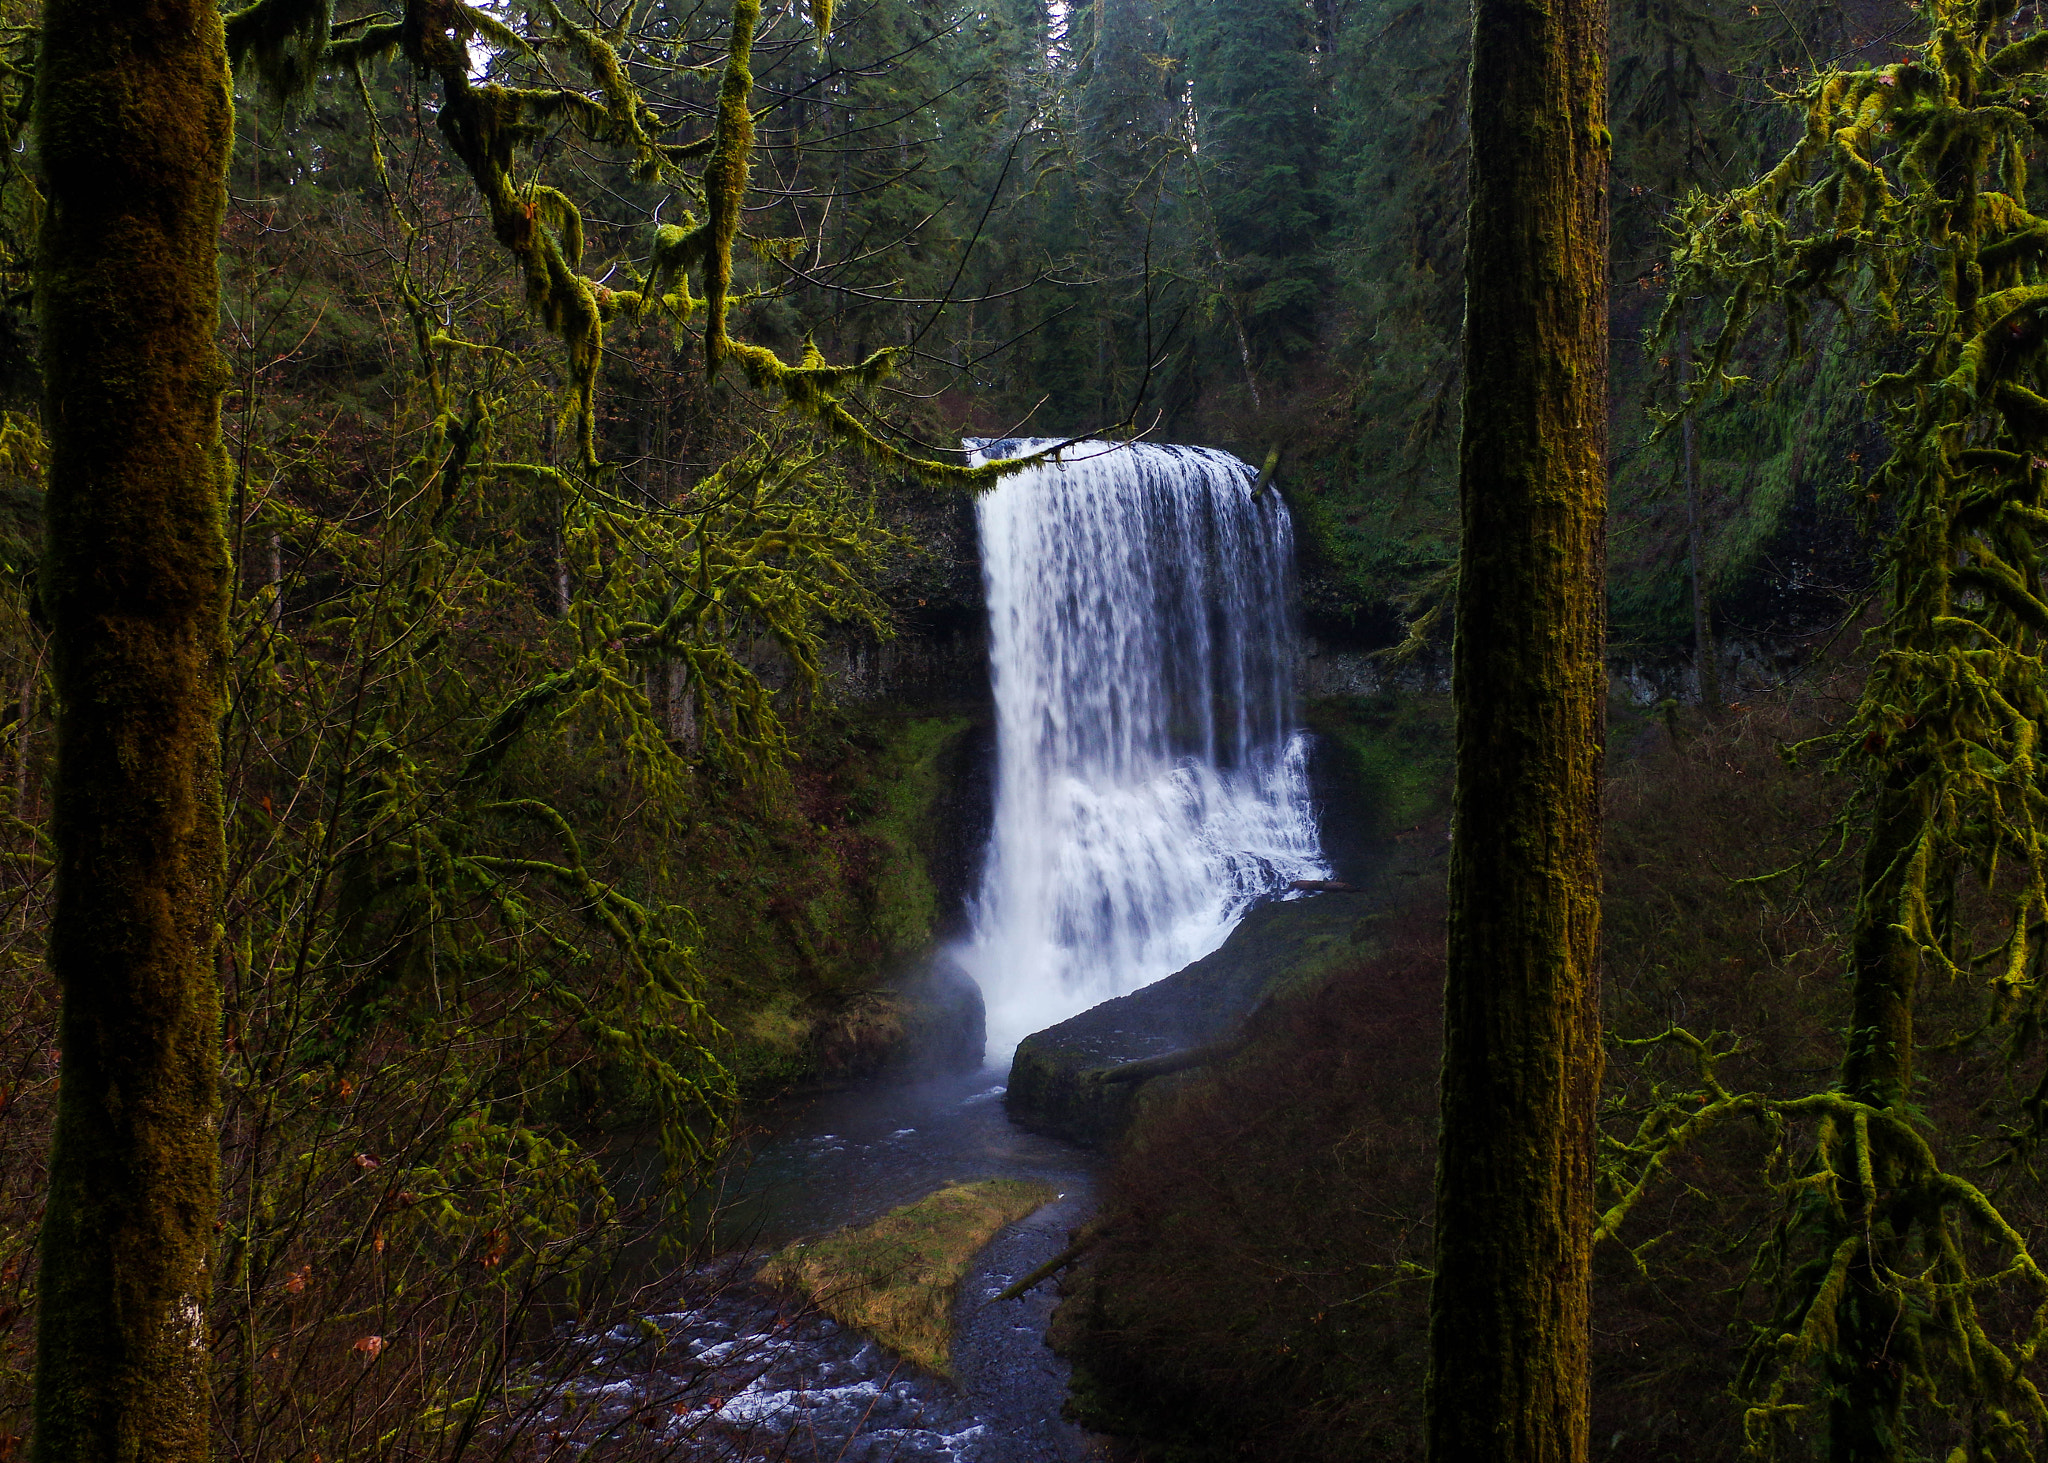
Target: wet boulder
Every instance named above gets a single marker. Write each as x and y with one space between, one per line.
1082 1079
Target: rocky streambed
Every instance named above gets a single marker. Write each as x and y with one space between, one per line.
724 1368
736 1372
715 1366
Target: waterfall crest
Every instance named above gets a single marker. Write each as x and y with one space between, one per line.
1150 782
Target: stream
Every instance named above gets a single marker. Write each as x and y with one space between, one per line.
844 1157
1151 787
717 1367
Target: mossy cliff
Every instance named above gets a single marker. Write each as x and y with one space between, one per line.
819 903
818 898
1086 1078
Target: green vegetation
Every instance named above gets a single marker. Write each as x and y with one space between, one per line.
806 896
513 684
583 388
1891 1253
1260 1278
1260 211
1392 755
897 1277
134 124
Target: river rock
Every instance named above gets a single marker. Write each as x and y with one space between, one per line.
946 1021
1057 1083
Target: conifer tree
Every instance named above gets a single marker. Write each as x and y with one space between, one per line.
133 118
1127 131
133 125
1909 1303
1521 1070
1259 135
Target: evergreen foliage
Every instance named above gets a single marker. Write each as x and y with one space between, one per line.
438 951
585 363
1252 99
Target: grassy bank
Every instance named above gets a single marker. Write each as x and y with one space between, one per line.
896 1278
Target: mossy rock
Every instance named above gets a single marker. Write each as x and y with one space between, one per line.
1061 1082
930 1022
1380 773
897 1278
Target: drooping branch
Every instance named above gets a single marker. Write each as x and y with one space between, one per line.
291 44
1905 200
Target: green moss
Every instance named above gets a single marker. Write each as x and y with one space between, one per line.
808 896
1393 752
909 783
771 1044
284 39
896 1278
133 122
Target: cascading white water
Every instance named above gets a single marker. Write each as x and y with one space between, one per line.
1150 783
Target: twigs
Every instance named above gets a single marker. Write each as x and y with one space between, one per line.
1906 198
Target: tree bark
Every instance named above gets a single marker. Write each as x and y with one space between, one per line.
24 732
1868 1384
1508 1308
133 121
1706 664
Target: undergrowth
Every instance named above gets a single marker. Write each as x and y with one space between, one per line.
1260 1285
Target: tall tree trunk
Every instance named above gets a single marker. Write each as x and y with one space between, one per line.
1867 1389
24 732
133 120
1706 662
1521 1074
682 706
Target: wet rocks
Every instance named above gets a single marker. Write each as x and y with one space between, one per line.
738 1373
931 1022
1064 1081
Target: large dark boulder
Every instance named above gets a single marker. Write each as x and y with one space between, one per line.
945 1020
1379 794
1080 1080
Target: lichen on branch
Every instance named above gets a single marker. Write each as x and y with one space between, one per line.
494 129
1904 207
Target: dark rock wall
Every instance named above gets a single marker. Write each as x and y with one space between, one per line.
1642 678
939 655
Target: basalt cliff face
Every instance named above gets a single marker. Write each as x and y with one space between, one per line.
825 904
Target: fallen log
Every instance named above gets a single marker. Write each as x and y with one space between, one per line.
1325 886
1146 1068
1051 1267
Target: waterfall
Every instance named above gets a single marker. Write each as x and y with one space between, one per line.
1151 785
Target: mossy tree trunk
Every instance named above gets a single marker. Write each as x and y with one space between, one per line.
1508 1309
1866 1382
1706 662
133 124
